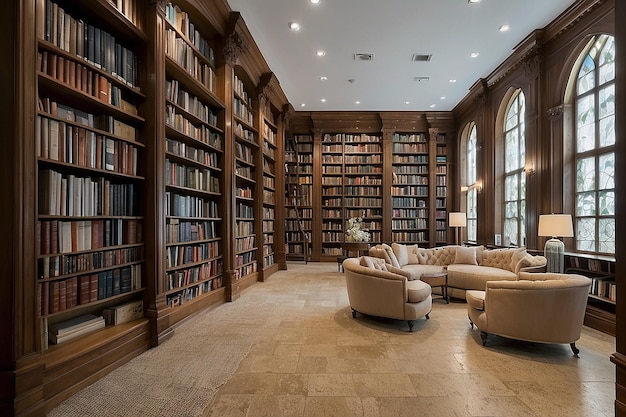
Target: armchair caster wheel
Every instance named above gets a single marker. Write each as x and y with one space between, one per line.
483 336
353 313
411 323
574 349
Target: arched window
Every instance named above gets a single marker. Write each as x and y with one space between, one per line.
470 183
514 229
594 146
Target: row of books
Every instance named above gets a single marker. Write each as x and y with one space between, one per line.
70 195
349 137
80 77
244 172
603 287
180 20
60 295
412 179
70 329
191 104
180 255
410 148
408 137
86 41
59 141
363 147
410 159
59 265
188 294
240 89
365 180
75 116
409 236
245 211
181 124
189 206
244 228
179 231
244 153
268 228
190 177
182 278
184 55
60 237
190 152
241 110
362 159
245 243
419 223
412 190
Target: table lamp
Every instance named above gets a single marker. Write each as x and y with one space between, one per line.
553 226
457 220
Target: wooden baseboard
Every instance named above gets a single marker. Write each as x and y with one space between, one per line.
599 319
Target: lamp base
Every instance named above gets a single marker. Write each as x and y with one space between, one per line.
554 253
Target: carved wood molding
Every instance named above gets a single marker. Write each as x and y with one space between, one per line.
234 47
555 112
159 5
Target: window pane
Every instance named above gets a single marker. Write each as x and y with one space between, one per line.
586 174
585 111
586 75
607 101
471 203
586 204
510 232
511 151
606 201
607 131
607 61
606 170
511 117
510 210
585 234
471 230
606 235
510 188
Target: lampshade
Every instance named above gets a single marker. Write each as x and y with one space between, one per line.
556 225
457 219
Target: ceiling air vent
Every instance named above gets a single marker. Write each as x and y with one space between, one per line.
421 57
363 57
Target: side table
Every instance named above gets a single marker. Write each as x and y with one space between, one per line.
438 279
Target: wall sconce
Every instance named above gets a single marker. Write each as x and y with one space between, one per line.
529 170
464 189
479 186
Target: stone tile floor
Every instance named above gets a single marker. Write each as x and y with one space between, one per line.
311 358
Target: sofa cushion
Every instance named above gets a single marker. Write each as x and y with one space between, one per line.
422 256
412 252
378 252
401 271
441 256
393 260
418 291
416 271
465 256
475 299
401 252
374 263
474 277
498 258
517 258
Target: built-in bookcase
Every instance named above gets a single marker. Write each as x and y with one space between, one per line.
246 143
441 189
90 251
268 208
299 188
194 158
351 186
410 193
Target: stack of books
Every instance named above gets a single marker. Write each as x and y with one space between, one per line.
71 329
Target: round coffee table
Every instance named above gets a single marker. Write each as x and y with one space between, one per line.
438 279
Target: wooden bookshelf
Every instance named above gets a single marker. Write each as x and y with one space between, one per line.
89 146
410 191
267 210
601 304
440 184
193 154
299 180
247 239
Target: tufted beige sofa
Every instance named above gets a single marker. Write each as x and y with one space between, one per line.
543 307
469 268
374 290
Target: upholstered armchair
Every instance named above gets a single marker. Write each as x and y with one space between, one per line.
539 307
377 291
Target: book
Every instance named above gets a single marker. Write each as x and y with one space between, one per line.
74 324
123 313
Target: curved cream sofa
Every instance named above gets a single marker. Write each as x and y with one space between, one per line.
539 307
376 291
469 268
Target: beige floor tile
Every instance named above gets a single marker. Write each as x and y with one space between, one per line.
333 407
331 385
274 364
277 406
383 385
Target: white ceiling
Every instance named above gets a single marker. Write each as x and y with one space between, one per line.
392 30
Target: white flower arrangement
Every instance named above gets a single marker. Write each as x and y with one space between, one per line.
355 232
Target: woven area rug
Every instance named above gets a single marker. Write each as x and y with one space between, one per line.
178 378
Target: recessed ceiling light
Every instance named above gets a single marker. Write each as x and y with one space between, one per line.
473 1
357 102
321 53
432 106
323 78
302 105
452 80
474 54
295 26
315 1
442 98
407 102
323 100
504 28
